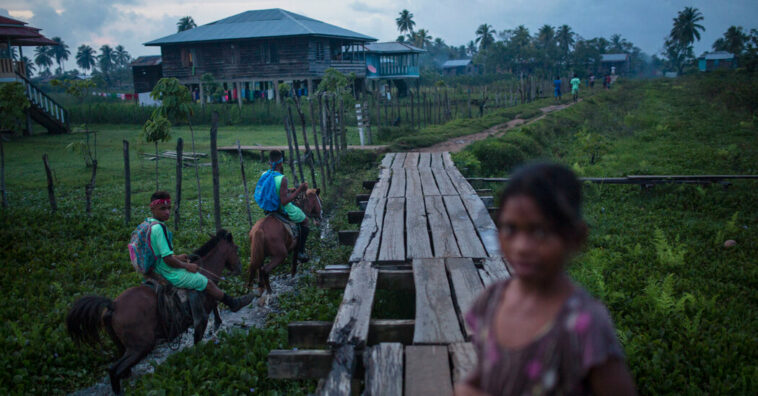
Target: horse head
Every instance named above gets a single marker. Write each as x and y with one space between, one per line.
311 204
220 252
231 252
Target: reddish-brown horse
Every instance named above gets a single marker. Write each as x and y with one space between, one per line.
132 319
269 237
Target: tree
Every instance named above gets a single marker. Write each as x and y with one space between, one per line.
485 36
13 103
105 61
30 68
734 41
405 22
185 23
60 52
43 57
121 56
156 129
85 57
422 38
471 48
565 39
684 32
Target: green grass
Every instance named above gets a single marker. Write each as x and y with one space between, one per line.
684 306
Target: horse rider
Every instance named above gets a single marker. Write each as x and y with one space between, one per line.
281 200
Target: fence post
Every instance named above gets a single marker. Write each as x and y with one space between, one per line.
2 174
315 142
289 144
322 129
127 185
50 188
244 184
214 165
179 165
90 187
293 131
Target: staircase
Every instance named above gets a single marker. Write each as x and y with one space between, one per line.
44 110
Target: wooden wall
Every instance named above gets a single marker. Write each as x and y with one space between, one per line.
145 77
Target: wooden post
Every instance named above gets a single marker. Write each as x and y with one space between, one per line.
2 174
197 174
90 188
239 94
294 141
50 189
343 128
244 184
289 144
413 119
127 185
315 143
214 165
202 96
333 131
322 129
308 152
178 196
378 113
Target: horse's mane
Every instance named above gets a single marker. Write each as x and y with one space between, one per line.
208 246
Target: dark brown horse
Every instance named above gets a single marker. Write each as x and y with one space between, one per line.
269 237
132 319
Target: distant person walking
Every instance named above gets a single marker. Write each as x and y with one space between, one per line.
592 81
607 81
575 83
557 89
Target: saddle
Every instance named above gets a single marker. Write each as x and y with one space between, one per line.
289 225
176 307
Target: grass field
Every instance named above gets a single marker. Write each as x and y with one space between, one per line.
683 304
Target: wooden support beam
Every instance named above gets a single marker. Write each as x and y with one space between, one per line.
389 279
314 333
355 217
367 244
348 237
353 316
299 364
339 380
361 197
384 370
369 184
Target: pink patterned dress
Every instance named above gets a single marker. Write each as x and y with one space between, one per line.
559 359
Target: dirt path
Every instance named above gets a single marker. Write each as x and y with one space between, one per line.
459 143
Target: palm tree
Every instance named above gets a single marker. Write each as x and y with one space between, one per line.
485 35
43 57
422 38
121 56
29 66
686 27
85 57
105 60
60 52
405 22
471 48
185 23
400 39
546 36
565 38
734 41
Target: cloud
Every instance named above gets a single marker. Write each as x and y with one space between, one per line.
4 12
363 7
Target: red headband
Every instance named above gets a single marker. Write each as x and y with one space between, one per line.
159 202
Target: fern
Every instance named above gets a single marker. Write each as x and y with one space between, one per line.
660 295
669 253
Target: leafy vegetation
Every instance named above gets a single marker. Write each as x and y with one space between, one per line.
682 302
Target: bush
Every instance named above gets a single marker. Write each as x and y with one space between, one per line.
497 157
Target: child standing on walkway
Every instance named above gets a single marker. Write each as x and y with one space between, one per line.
575 83
538 332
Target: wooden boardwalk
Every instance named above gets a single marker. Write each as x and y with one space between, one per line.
424 229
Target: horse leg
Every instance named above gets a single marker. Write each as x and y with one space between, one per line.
123 366
216 318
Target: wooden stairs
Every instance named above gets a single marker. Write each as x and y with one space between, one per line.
44 110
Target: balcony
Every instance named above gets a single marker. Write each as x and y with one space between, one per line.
9 68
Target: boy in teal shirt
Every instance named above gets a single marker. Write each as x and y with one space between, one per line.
575 87
176 268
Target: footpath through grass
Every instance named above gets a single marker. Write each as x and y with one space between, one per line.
50 260
683 304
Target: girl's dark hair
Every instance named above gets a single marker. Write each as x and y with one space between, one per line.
160 195
555 189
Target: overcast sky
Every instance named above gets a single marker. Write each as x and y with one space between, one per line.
133 22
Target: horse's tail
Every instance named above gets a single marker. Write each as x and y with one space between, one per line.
87 317
257 248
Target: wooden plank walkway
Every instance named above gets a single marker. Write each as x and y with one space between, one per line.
424 229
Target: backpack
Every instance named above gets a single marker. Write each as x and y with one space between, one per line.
266 194
140 247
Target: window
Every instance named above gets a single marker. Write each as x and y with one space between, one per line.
187 58
273 53
319 50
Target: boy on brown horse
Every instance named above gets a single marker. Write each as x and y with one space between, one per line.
177 269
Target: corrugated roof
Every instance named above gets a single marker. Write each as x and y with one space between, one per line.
260 24
391 47
613 57
456 63
719 55
150 60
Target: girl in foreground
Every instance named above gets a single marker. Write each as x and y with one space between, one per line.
539 333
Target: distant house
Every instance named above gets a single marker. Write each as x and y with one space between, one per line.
720 60
250 53
459 67
146 71
615 63
391 60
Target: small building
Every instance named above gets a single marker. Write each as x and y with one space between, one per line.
391 60
146 71
615 63
720 60
459 67
250 53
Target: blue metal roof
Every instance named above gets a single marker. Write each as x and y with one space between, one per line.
392 47
719 55
613 57
456 63
274 22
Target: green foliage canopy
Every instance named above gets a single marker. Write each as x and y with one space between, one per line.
13 103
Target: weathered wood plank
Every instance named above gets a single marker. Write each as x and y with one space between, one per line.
308 334
417 241
387 160
339 380
314 333
493 269
391 330
384 370
389 279
424 160
382 185
436 160
354 313
466 285
465 233
411 160
443 239
483 223
443 182
447 160
299 364
427 371
460 182
436 322
399 160
428 185
393 238
369 236
413 183
397 184
463 356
